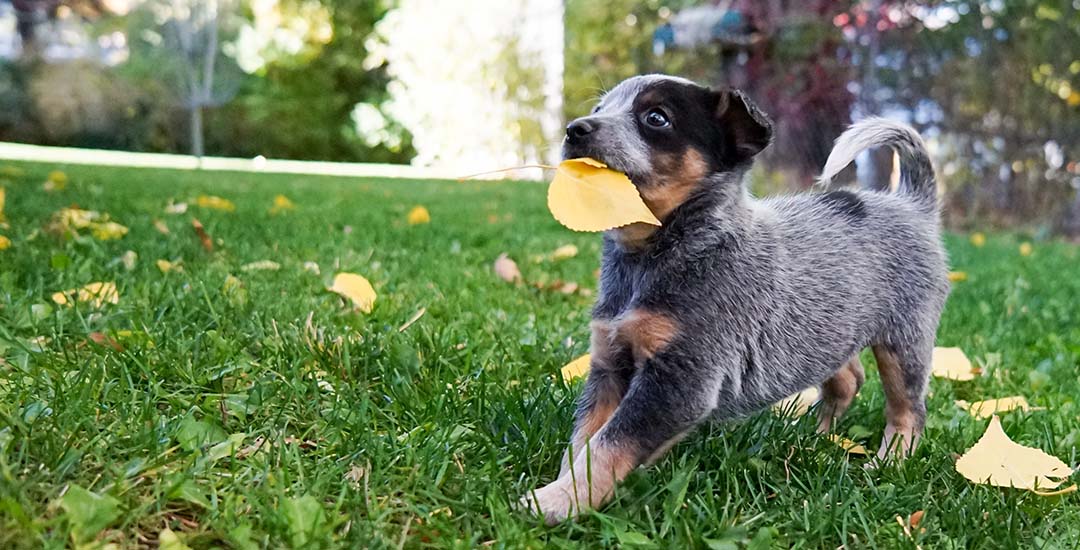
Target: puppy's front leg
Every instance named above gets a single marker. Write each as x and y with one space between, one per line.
610 370
666 399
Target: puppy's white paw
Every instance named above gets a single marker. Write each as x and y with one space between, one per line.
554 501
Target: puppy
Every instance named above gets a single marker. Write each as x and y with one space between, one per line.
735 303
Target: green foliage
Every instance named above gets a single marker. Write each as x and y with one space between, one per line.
359 434
603 48
88 513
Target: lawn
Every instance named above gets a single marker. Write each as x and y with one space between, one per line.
218 406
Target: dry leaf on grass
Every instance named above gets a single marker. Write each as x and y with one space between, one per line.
418 215
68 222
852 447
586 196
800 403
96 294
986 409
176 208
215 203
2 199
105 340
129 258
998 460
356 289
261 265
161 227
1026 249
978 240
5 243
953 364
281 204
165 266
577 368
204 237
564 252
506 269
957 276
57 181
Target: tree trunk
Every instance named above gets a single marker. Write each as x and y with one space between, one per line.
196 132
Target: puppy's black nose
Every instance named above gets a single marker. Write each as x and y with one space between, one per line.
578 129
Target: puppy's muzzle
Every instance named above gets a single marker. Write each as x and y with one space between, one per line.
578 131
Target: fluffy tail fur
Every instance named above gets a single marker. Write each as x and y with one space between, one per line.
916 173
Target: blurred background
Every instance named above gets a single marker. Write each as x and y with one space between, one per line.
473 85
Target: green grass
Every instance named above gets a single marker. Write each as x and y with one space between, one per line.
423 438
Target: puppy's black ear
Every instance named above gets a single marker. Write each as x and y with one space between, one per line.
747 128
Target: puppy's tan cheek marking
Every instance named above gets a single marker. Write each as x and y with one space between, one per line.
899 411
675 178
646 333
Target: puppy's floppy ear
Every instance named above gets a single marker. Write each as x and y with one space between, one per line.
748 129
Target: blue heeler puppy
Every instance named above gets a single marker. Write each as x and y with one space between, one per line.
735 302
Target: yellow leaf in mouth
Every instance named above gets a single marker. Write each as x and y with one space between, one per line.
998 460
577 368
356 289
587 196
951 363
986 409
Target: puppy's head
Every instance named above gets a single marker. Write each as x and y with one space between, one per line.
669 135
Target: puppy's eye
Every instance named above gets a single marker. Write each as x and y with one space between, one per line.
657 119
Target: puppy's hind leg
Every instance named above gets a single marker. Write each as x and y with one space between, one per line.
838 392
905 374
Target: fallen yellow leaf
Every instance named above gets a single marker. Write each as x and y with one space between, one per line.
998 460
161 227
2 193
108 231
986 409
576 368
356 289
799 403
1026 249
564 252
5 243
978 240
168 540
848 445
215 203
261 265
957 276
57 181
97 294
951 363
281 204
586 196
165 266
419 215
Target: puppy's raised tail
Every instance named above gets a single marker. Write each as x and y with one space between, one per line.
916 172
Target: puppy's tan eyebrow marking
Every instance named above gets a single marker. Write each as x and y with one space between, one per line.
677 177
646 333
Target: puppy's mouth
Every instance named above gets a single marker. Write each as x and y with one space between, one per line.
588 151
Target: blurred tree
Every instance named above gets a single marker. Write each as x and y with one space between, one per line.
303 100
995 80
31 14
607 42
